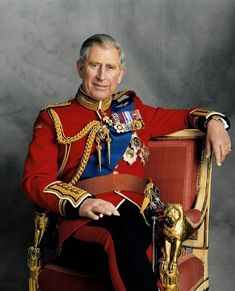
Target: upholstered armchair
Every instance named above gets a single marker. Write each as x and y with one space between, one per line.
178 167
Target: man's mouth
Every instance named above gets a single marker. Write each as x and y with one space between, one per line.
100 86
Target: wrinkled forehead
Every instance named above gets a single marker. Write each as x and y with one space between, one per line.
104 46
104 53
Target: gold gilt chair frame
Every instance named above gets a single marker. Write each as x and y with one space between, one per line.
199 245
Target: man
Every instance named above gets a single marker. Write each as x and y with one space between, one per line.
86 160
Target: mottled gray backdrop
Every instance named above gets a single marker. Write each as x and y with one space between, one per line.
180 53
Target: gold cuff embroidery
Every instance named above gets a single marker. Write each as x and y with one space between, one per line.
67 191
204 113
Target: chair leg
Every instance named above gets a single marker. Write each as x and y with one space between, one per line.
34 265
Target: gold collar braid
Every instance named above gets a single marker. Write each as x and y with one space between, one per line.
92 104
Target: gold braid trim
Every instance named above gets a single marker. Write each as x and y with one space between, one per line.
62 204
86 153
92 128
61 138
204 113
67 192
62 104
92 104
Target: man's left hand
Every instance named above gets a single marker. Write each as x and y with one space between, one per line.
218 141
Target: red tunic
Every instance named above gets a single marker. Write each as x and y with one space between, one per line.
45 155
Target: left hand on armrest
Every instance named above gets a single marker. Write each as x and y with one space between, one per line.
218 140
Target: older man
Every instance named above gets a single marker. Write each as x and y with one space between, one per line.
86 160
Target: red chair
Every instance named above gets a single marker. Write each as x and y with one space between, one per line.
183 175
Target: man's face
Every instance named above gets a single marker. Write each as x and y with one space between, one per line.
101 72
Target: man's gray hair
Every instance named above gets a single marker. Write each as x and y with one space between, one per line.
102 39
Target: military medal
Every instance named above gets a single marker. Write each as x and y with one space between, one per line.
144 154
127 121
130 156
135 142
107 120
136 149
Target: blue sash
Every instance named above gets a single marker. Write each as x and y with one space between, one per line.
120 142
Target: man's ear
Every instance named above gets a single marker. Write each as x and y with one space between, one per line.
121 75
80 69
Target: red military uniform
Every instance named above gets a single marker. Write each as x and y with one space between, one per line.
85 148
60 137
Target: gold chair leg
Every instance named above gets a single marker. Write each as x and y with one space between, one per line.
169 279
34 253
34 265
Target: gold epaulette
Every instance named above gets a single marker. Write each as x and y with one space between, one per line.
61 104
119 94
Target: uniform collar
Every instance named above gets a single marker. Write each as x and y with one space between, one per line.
86 101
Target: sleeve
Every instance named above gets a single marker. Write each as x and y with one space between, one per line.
166 121
161 121
40 182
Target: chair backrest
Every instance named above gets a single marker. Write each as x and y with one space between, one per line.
174 166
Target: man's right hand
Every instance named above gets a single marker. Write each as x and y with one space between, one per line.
97 208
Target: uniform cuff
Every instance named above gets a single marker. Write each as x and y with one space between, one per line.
70 212
199 118
67 192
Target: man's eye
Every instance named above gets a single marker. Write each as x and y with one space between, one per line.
110 68
94 65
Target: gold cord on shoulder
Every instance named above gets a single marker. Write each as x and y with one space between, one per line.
61 138
92 128
86 153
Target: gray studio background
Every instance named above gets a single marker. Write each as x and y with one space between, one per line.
180 53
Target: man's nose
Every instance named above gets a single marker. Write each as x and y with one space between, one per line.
101 74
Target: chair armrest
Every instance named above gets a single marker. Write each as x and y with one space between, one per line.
193 216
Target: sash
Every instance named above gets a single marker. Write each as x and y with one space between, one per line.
120 142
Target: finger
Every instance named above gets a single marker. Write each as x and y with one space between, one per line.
116 212
113 210
229 148
218 155
208 149
225 150
224 153
92 215
107 210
